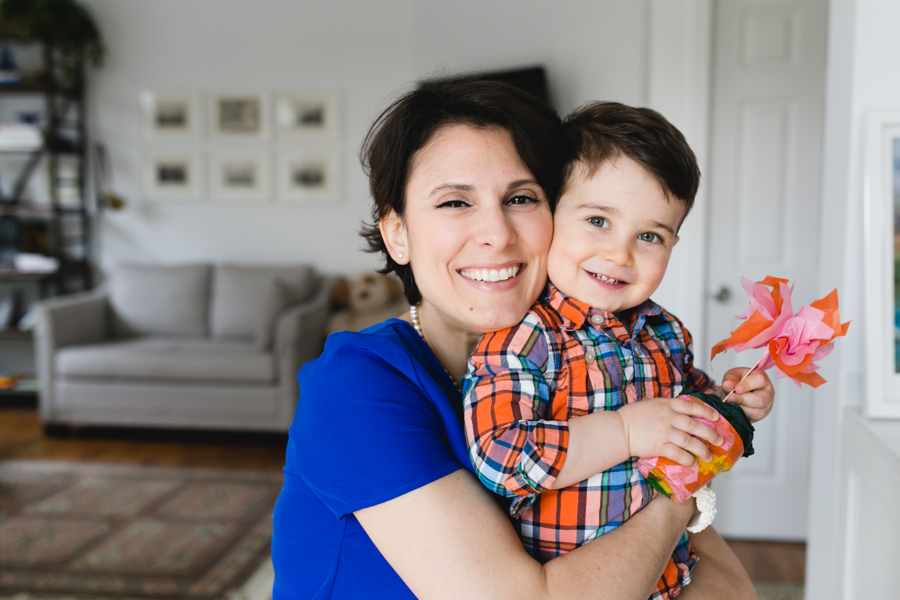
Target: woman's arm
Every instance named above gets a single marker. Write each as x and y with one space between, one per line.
719 573
449 539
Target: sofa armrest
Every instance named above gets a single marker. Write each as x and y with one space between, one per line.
65 322
299 337
73 320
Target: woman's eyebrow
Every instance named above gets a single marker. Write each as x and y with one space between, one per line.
459 187
521 182
464 187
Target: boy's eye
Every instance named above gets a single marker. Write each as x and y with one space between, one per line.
599 222
520 199
453 204
649 237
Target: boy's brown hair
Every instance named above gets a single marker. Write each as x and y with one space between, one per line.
601 131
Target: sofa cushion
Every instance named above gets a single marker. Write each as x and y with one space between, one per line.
160 299
166 358
241 297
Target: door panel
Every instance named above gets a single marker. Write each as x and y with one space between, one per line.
766 134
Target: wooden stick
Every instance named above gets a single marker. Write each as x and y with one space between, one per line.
753 368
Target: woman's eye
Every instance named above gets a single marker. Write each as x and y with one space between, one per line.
453 204
599 222
649 237
522 199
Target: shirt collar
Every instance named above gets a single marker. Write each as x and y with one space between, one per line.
574 313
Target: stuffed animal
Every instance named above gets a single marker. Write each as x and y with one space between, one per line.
365 299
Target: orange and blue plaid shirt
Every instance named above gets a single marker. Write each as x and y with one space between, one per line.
566 359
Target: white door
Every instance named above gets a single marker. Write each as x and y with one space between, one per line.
768 89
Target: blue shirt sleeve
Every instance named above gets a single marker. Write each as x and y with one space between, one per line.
374 421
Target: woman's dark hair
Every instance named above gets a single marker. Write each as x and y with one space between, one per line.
410 122
600 131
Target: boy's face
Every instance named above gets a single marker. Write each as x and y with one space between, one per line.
613 234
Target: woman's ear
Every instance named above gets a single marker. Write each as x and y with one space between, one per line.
393 232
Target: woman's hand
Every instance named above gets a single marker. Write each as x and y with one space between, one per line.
755 395
669 427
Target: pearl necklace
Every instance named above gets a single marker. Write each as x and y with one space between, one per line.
417 325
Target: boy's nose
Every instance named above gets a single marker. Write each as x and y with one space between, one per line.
618 252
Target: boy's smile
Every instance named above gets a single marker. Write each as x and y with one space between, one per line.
613 234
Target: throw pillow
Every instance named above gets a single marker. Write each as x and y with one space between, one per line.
240 292
279 298
160 299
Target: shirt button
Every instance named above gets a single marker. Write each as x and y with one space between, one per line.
596 319
590 356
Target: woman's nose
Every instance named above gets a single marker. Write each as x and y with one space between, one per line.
495 229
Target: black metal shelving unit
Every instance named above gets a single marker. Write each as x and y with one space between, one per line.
48 225
68 226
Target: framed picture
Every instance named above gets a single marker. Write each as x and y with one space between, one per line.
882 201
308 177
302 114
236 175
238 115
171 174
171 115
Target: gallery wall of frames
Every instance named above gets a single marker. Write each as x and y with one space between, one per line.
240 146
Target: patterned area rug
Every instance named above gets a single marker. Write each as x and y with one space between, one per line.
112 531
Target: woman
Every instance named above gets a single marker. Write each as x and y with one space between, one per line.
379 498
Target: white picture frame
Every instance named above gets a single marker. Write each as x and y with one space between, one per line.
171 115
171 174
308 177
882 267
235 175
310 115
238 115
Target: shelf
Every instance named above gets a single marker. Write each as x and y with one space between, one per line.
58 146
28 386
15 334
29 87
37 210
21 151
13 275
34 88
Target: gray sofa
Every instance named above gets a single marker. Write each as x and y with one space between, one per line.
182 346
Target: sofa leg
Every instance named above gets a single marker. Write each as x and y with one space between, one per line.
53 430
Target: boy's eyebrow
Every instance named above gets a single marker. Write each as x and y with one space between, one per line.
465 187
610 209
664 226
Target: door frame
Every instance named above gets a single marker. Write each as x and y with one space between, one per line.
679 83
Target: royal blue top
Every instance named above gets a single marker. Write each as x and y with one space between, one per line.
377 417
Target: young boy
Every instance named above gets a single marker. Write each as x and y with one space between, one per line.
593 346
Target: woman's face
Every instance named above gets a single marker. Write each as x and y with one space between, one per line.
476 230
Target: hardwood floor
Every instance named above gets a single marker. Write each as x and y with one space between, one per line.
776 562
22 437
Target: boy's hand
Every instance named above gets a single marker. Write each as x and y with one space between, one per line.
664 427
755 395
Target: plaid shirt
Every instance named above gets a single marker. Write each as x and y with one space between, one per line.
566 359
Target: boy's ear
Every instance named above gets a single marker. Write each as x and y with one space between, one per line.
676 241
393 232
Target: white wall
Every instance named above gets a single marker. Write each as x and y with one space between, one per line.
367 51
862 63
